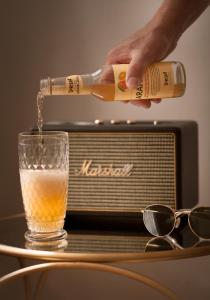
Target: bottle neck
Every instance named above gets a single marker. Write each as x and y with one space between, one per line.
70 85
46 86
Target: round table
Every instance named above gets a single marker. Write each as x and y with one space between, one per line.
95 250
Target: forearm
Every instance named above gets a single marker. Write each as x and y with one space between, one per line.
175 16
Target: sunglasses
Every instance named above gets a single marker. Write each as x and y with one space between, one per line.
169 243
161 220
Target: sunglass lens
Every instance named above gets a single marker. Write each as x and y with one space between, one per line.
158 219
200 221
158 244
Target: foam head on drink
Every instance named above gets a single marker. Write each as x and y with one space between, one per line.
44 196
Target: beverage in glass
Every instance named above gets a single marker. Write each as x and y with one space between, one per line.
43 165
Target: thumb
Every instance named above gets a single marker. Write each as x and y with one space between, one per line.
136 68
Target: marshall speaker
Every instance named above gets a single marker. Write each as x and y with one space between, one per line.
118 168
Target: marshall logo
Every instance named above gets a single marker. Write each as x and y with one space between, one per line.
98 171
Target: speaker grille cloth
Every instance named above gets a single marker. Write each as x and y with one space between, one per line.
152 179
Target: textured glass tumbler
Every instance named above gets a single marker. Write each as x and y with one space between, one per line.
43 166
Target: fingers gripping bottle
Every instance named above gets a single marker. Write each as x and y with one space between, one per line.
160 80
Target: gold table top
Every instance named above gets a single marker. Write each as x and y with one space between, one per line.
97 247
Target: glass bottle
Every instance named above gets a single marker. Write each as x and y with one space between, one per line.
160 80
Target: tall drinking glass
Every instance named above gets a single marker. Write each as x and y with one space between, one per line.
44 165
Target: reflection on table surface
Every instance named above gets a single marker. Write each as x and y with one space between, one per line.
97 240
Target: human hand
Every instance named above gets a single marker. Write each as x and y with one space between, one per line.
143 48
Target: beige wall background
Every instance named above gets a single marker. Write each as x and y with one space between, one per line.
55 38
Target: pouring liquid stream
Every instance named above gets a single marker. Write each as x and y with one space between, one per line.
40 105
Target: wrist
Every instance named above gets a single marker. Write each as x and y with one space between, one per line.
167 25
163 34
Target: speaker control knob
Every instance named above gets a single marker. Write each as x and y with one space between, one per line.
116 122
129 122
98 122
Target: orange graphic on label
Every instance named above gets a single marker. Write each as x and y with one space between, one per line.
122 75
122 84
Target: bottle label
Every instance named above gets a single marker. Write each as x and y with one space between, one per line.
158 81
74 85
